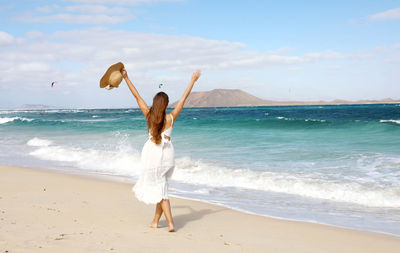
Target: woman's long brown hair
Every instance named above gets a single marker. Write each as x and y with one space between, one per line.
156 116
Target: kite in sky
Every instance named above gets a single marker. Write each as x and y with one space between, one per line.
52 84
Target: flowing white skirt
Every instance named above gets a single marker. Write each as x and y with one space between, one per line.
157 164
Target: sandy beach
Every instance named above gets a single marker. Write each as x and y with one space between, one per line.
46 211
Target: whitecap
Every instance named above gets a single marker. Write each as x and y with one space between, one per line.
316 120
397 121
6 120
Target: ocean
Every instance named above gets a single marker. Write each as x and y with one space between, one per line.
336 164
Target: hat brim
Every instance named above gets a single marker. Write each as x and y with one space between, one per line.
105 80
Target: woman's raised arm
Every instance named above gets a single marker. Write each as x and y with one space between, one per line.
142 105
178 108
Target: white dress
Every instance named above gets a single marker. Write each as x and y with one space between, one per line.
157 164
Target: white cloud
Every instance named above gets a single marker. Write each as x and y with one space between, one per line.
78 18
91 14
77 59
5 39
362 55
99 9
393 58
122 1
35 35
85 54
32 66
82 8
386 15
325 55
47 8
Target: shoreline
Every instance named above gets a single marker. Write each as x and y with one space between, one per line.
126 180
123 179
286 219
52 211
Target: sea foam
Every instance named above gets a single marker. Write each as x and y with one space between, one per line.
116 162
126 162
303 184
36 142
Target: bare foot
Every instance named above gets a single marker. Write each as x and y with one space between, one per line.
154 225
171 228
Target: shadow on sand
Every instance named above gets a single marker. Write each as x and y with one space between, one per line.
181 220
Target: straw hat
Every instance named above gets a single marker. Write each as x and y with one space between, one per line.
112 77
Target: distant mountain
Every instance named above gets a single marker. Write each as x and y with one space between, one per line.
236 97
35 107
220 98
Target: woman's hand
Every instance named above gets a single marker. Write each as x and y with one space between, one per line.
124 73
142 105
196 76
178 108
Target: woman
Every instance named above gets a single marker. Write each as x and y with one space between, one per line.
157 159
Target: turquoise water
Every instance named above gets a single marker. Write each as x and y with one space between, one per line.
338 165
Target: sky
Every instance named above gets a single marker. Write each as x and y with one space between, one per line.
280 50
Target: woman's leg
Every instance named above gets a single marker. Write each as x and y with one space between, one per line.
157 216
167 212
